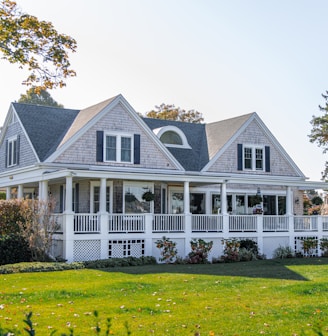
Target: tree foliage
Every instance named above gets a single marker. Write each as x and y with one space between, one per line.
35 45
42 97
319 132
170 112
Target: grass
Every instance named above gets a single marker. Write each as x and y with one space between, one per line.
274 297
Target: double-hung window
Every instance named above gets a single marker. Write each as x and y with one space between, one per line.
118 148
12 154
253 158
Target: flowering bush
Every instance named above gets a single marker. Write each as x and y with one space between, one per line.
231 250
168 249
199 251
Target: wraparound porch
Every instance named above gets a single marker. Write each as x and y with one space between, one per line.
135 234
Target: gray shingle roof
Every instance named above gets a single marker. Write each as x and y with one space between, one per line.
46 126
220 132
193 159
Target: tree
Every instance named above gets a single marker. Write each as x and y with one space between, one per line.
36 45
170 112
43 97
319 132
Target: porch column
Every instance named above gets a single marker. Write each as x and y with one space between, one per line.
186 198
225 216
43 190
68 229
289 205
69 194
290 217
102 201
8 193
224 198
20 193
187 217
103 218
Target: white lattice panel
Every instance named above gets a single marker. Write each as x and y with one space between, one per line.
126 248
298 245
85 250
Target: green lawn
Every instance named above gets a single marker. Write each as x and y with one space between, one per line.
285 297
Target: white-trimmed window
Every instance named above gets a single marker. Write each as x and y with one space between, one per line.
95 196
172 136
12 152
118 147
133 197
253 158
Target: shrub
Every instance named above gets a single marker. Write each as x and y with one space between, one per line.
309 245
283 252
199 251
14 249
246 255
249 245
120 262
231 250
168 250
10 216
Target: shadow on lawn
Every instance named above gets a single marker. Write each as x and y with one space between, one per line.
272 269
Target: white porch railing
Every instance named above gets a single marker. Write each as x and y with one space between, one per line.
207 223
86 223
306 223
275 224
136 223
168 223
324 223
120 223
243 223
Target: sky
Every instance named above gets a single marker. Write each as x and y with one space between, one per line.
223 58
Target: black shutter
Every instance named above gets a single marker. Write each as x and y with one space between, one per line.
77 198
136 150
6 158
100 146
239 156
61 199
267 159
17 149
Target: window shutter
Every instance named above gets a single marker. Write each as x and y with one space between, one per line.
77 198
239 156
100 146
267 159
136 150
61 199
17 149
6 157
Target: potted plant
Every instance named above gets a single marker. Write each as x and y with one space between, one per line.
148 196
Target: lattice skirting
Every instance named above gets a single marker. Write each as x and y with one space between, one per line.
126 248
298 245
85 250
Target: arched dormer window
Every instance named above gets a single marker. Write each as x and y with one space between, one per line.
172 136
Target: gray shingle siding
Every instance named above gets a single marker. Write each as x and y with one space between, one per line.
26 154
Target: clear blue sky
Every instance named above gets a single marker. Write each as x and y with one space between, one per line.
223 58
